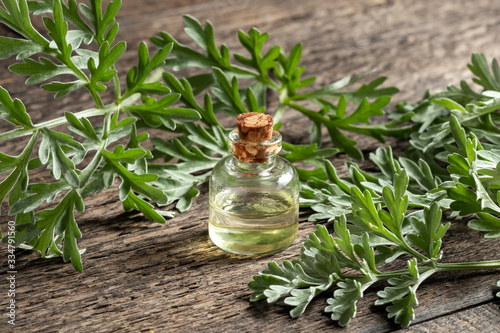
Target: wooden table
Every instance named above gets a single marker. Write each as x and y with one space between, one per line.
142 276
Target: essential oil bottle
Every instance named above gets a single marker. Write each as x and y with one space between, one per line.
254 194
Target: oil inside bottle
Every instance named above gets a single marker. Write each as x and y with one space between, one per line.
253 224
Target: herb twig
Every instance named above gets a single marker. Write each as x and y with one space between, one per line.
380 216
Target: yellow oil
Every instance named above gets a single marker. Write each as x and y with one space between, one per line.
255 227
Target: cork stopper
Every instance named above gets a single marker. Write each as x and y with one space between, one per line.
254 126
255 140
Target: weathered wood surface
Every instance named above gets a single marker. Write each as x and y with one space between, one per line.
142 276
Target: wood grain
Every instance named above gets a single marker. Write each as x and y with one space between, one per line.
484 318
142 276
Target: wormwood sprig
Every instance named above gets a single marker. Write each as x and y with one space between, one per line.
372 235
398 210
144 102
276 71
475 111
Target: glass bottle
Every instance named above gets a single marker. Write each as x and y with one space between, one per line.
254 194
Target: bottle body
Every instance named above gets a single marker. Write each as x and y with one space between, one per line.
254 207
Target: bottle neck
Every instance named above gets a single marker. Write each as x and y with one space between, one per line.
254 167
255 153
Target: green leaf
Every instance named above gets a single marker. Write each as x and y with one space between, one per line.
429 232
107 57
307 153
198 160
458 134
71 234
51 149
464 200
128 156
119 129
365 110
140 165
213 138
39 71
487 223
13 110
339 140
195 31
343 304
384 159
254 42
134 202
178 186
421 173
58 225
41 192
396 202
100 21
184 88
23 48
183 55
108 18
58 28
402 295
371 90
158 112
186 199
487 202
449 104
404 300
70 12
63 88
305 175
314 272
300 298
484 77
20 173
272 283
458 165
103 178
332 176
427 114
200 82
17 17
82 127
367 254
252 102
365 210
368 91
137 75
138 183
295 55
7 162
228 92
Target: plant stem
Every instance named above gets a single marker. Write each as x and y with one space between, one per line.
93 112
49 124
462 266
412 252
440 267
398 273
96 97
